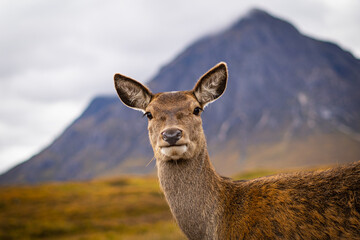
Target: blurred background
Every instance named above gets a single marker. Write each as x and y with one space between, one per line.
293 102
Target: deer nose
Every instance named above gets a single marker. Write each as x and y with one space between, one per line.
171 135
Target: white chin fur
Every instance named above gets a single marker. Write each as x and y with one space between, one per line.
174 152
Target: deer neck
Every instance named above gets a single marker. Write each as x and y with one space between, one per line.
192 189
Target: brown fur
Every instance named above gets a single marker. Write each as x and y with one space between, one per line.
309 205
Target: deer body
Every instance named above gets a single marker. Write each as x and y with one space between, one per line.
315 205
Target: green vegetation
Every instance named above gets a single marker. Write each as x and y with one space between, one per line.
129 208
124 208
254 174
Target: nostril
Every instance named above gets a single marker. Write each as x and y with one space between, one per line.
171 135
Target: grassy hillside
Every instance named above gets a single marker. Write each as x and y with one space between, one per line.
310 151
123 208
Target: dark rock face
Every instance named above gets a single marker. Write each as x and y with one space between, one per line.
292 101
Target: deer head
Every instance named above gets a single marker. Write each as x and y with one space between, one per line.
174 118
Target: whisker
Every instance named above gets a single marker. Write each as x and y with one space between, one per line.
150 161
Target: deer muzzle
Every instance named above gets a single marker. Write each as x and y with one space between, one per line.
174 148
171 136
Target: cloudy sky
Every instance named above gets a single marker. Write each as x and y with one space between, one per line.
56 55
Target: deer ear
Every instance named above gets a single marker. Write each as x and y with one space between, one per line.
212 84
132 93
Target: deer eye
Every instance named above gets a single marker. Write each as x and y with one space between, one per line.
197 111
148 115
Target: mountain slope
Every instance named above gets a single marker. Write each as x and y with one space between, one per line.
292 101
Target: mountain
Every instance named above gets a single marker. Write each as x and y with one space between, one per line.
292 101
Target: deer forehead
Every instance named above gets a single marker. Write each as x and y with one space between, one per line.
172 102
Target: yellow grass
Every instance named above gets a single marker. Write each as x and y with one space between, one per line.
124 208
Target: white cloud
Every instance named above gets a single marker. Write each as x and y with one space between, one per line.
56 55
28 126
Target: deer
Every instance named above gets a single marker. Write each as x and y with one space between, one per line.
322 204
